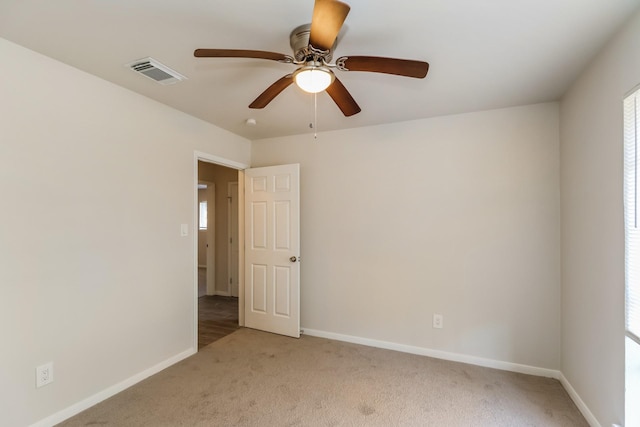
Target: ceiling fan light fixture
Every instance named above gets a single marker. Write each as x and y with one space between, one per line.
313 79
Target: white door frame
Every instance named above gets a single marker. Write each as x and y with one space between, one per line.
210 158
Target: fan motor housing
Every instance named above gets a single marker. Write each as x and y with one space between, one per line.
299 40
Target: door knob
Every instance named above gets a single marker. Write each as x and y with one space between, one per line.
293 259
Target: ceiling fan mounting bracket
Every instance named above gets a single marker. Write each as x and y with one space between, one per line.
288 60
341 63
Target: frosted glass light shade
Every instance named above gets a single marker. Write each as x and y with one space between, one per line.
313 79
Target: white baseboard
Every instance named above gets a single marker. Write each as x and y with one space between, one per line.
76 408
591 419
438 354
223 293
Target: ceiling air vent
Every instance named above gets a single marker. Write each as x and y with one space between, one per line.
151 68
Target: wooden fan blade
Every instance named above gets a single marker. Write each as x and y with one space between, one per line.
376 64
240 53
343 98
328 17
272 91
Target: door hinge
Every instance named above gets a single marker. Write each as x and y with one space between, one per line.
230 280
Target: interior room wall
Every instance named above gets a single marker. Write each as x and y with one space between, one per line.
94 275
455 215
221 176
593 226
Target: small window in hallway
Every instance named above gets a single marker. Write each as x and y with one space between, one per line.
203 216
632 259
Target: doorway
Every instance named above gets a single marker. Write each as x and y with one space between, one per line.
268 210
217 261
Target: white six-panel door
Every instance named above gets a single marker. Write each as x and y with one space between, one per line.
272 249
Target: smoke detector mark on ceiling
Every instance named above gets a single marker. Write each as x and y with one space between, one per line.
156 71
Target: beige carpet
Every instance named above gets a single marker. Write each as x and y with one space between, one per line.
252 378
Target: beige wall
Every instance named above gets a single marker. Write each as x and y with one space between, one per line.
455 215
593 227
221 177
94 276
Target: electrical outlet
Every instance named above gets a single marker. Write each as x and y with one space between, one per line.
438 321
44 374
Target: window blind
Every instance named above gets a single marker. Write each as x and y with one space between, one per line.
632 225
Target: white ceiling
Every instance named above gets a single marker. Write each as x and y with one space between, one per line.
483 54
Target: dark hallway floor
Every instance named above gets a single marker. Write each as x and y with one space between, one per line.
217 315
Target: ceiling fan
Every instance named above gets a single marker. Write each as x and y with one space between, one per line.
313 45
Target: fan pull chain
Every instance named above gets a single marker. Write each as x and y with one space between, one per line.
315 116
314 125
